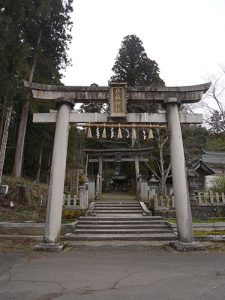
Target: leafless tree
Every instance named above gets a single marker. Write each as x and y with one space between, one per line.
213 104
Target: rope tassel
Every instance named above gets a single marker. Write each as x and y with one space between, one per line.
134 134
104 133
89 134
150 134
119 135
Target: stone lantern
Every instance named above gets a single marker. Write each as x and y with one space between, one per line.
153 185
153 189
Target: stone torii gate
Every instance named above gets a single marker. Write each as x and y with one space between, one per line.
118 95
116 155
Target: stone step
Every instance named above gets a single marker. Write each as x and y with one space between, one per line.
117 205
121 218
121 231
119 222
120 226
122 237
122 223
118 208
105 211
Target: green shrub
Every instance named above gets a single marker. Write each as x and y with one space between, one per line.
218 184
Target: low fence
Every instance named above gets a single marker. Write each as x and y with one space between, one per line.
77 202
161 202
208 198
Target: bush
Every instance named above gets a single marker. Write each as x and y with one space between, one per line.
218 184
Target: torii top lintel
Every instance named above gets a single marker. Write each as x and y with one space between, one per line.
94 93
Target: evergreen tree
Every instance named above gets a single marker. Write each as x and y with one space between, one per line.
135 68
46 29
12 49
13 65
133 65
34 40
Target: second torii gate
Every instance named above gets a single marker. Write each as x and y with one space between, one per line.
116 155
119 95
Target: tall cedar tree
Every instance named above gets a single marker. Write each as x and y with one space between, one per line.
46 28
133 65
12 53
12 48
135 68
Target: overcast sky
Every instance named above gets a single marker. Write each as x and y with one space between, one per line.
185 37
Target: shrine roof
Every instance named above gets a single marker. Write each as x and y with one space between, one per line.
200 165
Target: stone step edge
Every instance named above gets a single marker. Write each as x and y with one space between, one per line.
117 219
123 237
120 226
117 207
117 204
121 231
138 217
118 211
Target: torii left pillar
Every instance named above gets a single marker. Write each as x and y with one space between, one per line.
57 178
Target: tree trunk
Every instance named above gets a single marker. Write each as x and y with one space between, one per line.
17 170
161 140
162 171
3 113
4 141
39 165
20 141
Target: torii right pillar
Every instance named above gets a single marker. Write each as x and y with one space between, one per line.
181 194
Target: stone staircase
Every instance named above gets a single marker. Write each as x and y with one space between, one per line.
121 221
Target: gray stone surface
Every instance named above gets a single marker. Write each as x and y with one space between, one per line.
57 176
131 118
178 168
187 247
185 94
116 221
49 247
113 273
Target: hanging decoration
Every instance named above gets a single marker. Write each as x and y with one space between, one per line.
104 133
112 132
89 133
144 135
97 133
134 134
128 133
150 134
119 135
130 130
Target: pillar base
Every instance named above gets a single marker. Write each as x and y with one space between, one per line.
187 247
49 247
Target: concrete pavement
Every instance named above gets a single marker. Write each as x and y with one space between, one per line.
104 272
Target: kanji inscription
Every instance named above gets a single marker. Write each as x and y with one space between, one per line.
118 100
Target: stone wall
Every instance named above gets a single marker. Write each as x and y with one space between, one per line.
198 212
